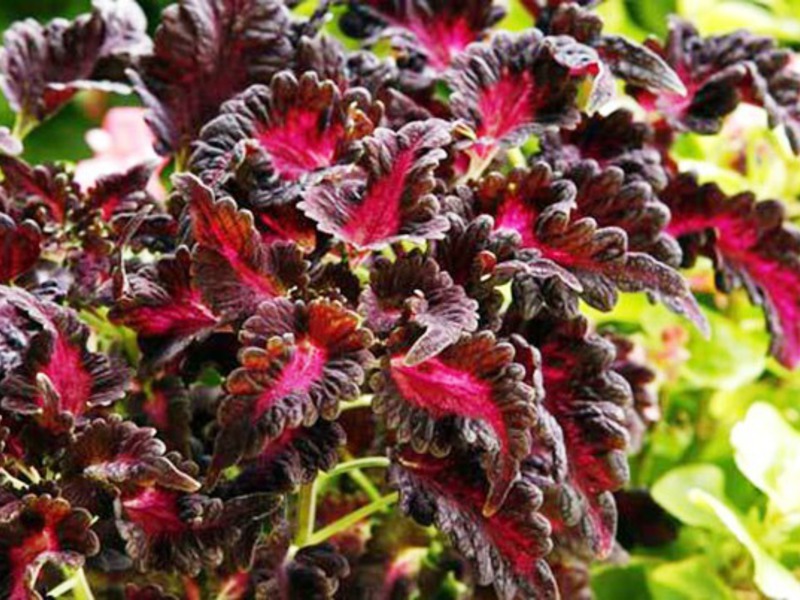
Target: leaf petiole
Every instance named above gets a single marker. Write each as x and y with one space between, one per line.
306 513
354 517
353 468
23 125
361 402
369 462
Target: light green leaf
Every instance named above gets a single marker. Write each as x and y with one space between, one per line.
771 577
713 16
733 356
672 492
690 579
767 451
652 15
620 581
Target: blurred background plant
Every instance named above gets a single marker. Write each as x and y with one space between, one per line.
713 509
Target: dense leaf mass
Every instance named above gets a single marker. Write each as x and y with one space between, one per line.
363 262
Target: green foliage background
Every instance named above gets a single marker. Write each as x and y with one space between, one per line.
724 460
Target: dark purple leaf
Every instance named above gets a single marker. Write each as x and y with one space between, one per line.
471 391
43 66
751 246
507 548
387 195
206 52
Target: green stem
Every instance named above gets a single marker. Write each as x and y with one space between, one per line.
82 591
31 473
369 462
306 513
364 482
17 483
349 520
23 125
77 584
361 402
477 166
181 159
353 468
62 588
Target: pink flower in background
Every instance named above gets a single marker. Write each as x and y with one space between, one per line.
124 141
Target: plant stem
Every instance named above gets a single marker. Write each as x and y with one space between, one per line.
23 125
361 402
369 462
82 591
477 166
17 483
306 513
362 481
353 468
181 160
31 473
349 520
62 588
77 584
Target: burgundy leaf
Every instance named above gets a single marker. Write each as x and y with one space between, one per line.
632 366
413 289
36 531
604 195
22 317
638 65
292 459
559 243
631 62
277 572
616 140
167 530
543 10
473 391
298 363
118 452
46 186
386 196
324 55
721 71
750 246
439 30
571 22
121 193
251 179
507 548
60 380
517 85
161 304
233 268
336 280
301 125
588 400
43 66
476 261
166 406
19 247
207 51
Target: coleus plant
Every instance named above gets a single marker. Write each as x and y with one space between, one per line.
368 261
